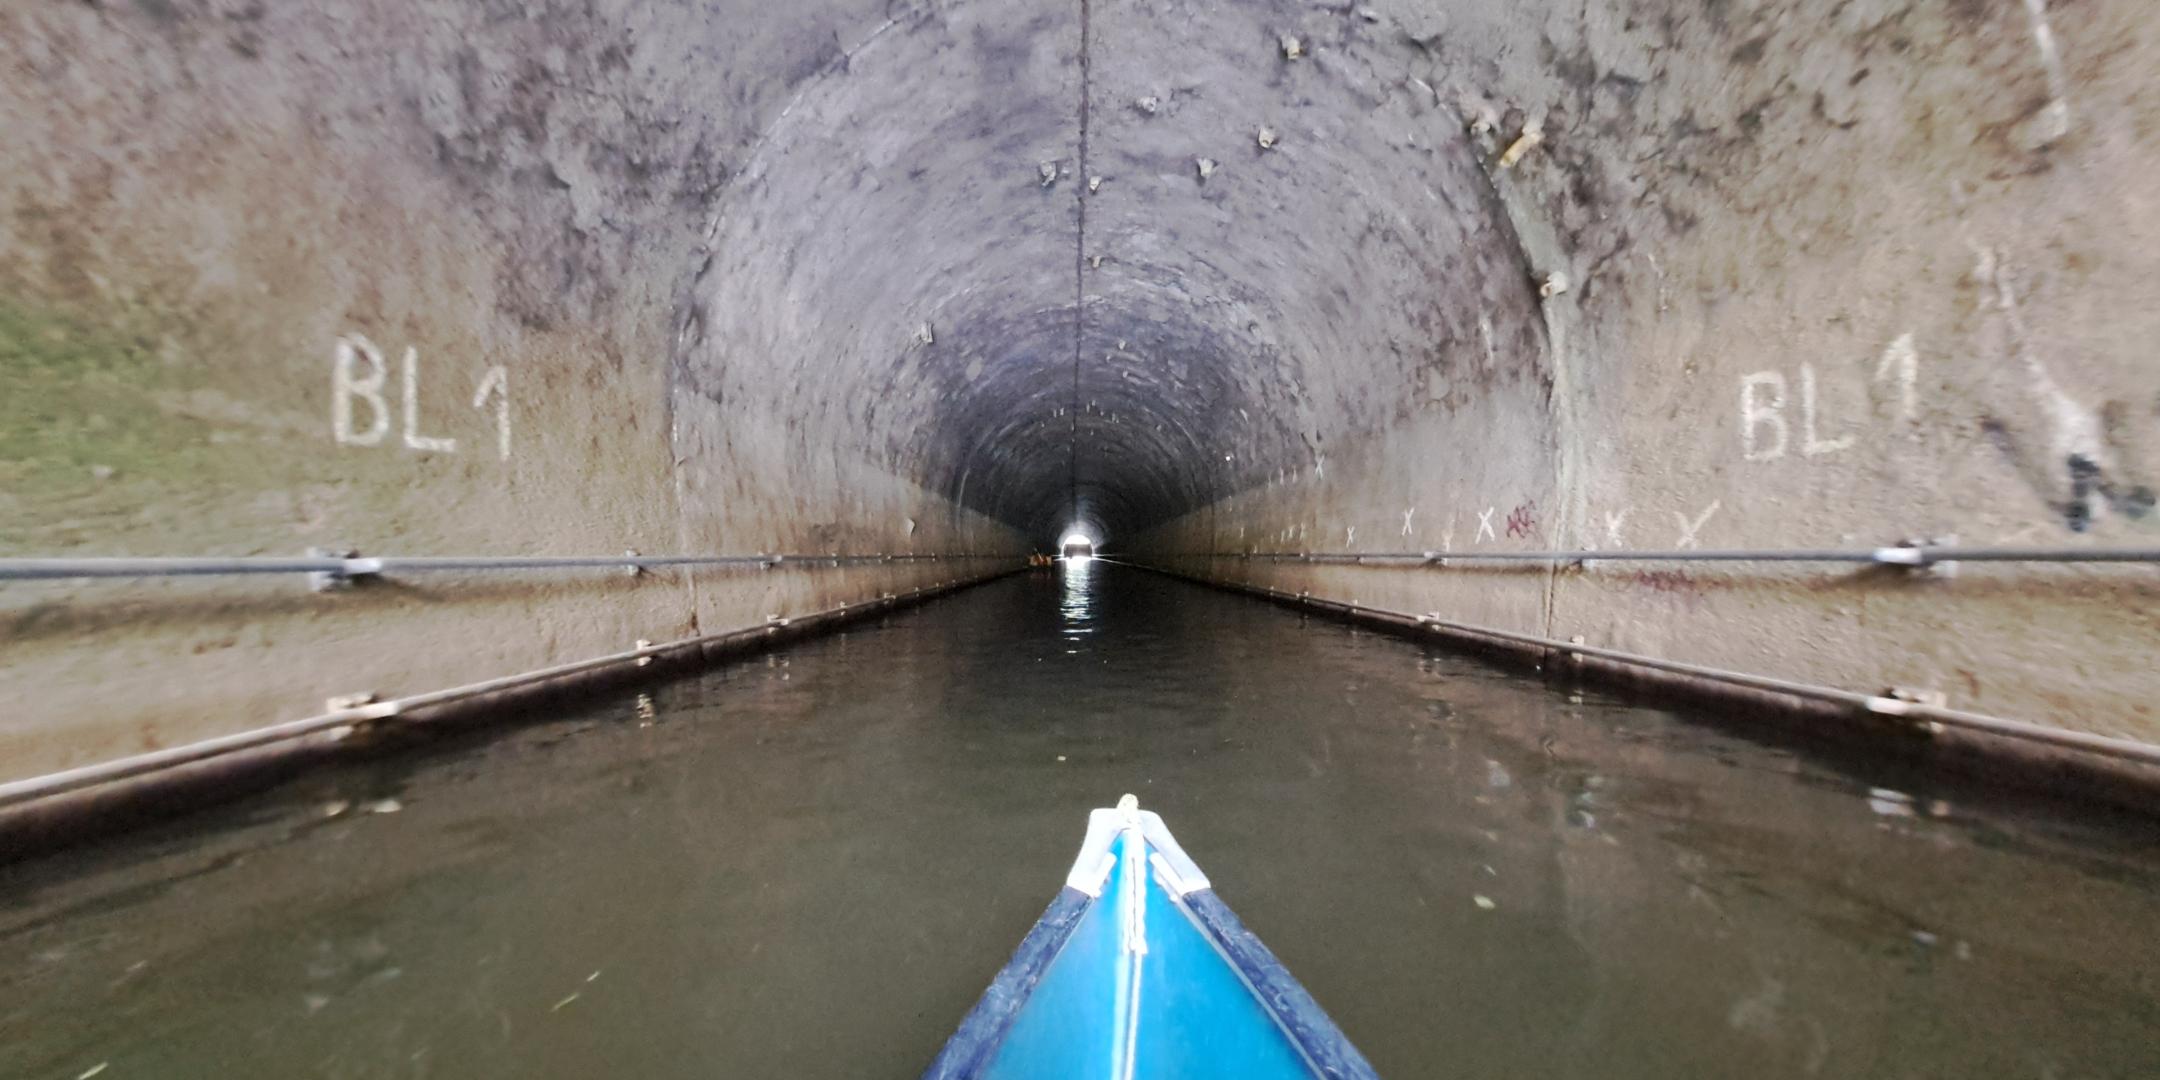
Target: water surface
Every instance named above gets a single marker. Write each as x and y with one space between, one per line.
809 864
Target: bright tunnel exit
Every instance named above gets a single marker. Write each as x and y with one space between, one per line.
1077 545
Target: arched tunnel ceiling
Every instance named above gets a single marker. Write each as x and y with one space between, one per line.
1035 257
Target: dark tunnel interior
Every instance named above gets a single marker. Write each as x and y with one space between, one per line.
1066 287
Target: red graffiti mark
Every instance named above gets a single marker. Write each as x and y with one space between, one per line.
1522 521
1664 581
1669 582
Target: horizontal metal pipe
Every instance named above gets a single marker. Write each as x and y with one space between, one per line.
47 569
1922 555
39 787
2106 745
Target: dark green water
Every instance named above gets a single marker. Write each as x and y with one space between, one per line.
809 864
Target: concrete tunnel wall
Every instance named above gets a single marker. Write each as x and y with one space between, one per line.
734 277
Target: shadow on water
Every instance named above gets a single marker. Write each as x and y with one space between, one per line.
809 864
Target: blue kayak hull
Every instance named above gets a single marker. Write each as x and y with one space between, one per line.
1138 969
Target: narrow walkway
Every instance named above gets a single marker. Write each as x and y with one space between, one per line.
809 864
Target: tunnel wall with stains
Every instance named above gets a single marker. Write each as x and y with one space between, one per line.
1202 278
1838 275
409 280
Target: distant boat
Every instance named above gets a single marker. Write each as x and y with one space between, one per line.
1138 970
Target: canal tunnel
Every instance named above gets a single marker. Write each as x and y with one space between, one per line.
1326 301
1348 302
369 367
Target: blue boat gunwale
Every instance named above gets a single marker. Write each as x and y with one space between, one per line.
983 1030
1321 1045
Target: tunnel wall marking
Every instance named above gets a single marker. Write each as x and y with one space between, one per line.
1901 362
1767 435
1691 528
495 383
348 387
2055 117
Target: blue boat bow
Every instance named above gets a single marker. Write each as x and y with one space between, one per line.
1138 969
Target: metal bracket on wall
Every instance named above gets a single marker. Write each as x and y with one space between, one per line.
1921 556
351 569
1899 702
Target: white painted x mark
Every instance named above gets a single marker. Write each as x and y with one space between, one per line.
1689 529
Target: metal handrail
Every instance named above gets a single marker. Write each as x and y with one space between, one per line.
1912 555
352 567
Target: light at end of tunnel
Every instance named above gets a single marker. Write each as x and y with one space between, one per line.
1077 545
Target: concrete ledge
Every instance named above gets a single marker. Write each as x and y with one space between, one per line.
1850 737
47 824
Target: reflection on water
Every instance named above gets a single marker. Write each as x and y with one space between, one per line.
810 864
1076 585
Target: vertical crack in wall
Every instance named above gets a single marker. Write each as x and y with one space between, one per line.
1080 197
1531 233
